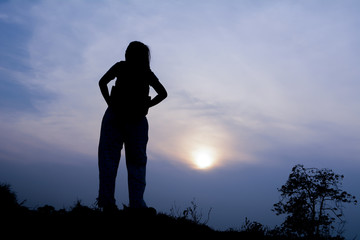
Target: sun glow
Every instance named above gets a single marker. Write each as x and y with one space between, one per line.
204 158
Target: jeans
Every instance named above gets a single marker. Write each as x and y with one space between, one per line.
114 135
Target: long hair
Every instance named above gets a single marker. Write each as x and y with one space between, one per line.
138 54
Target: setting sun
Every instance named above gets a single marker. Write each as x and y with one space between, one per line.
204 158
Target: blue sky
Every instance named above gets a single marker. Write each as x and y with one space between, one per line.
255 87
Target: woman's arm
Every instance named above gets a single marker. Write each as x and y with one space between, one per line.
161 93
108 76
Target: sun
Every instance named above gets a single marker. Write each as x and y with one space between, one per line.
204 158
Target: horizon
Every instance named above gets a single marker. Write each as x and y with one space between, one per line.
255 87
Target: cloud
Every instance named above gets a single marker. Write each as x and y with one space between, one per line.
260 81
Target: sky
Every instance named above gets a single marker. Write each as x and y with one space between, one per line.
254 88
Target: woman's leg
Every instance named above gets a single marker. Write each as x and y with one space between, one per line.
135 150
110 146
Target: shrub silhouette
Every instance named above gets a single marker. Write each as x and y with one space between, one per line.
312 199
8 201
192 213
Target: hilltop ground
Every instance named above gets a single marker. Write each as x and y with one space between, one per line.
81 221
18 221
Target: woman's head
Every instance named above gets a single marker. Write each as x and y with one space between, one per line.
138 53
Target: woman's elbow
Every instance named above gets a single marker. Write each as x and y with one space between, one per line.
164 94
102 83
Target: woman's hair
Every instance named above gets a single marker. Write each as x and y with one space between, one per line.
138 53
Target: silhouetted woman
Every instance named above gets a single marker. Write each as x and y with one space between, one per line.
125 124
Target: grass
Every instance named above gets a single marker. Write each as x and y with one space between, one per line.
80 222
